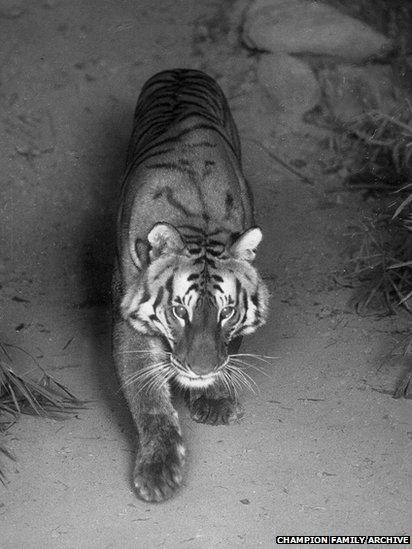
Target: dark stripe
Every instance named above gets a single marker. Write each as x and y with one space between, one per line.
193 276
228 203
158 298
193 240
161 273
210 105
146 294
193 286
255 301
191 228
212 242
169 285
245 306
169 196
214 253
155 103
217 287
238 288
215 102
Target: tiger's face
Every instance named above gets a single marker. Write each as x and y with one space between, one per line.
198 302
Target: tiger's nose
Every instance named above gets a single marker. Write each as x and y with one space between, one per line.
203 366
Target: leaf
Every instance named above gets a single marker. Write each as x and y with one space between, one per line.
402 206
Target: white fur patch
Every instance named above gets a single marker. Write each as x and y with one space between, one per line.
181 451
196 382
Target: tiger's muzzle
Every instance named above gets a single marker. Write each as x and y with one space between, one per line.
201 351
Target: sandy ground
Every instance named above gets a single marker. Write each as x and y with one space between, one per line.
322 448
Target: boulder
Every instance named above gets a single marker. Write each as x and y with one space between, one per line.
290 83
311 27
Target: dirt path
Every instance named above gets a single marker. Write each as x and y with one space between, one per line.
321 450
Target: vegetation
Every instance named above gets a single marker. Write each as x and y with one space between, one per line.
20 394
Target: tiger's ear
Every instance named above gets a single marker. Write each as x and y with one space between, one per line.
140 253
245 246
164 239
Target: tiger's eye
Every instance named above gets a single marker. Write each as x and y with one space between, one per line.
180 311
226 312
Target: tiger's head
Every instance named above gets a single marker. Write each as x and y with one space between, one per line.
197 298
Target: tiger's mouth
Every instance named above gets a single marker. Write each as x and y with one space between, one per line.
189 379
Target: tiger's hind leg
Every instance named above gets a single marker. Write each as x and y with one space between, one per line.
214 406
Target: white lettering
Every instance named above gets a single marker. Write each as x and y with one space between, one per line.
347 539
386 540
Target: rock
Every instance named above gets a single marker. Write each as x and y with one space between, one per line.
350 91
307 26
291 84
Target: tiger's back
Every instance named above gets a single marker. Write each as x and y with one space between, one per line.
183 162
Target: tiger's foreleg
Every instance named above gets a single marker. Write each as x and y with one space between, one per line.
161 454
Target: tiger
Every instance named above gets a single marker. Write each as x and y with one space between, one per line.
185 289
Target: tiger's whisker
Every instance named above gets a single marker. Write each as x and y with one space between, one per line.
150 384
242 374
146 372
136 351
149 352
228 383
236 379
233 360
148 369
256 355
259 357
236 385
237 375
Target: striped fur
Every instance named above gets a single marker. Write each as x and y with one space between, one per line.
183 173
185 286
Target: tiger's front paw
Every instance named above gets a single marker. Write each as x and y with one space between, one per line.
220 411
159 471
